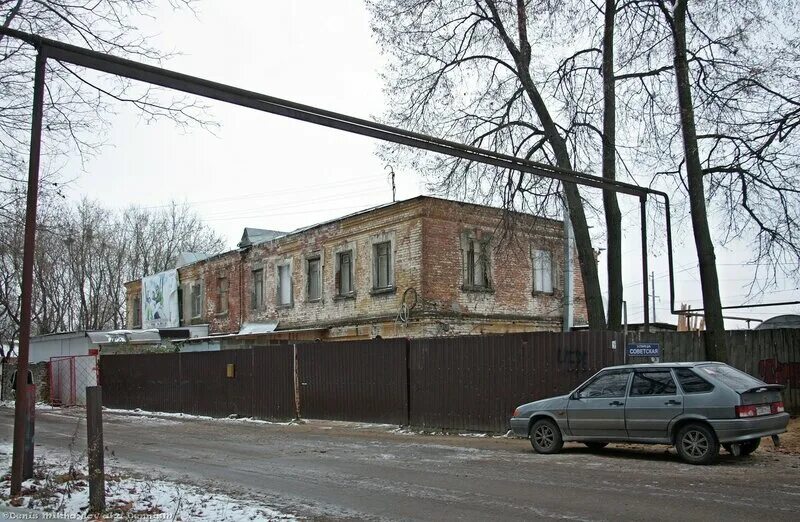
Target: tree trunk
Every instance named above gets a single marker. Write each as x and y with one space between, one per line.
583 241
715 325
610 204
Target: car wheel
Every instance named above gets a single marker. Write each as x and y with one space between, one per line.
696 444
594 446
546 437
745 448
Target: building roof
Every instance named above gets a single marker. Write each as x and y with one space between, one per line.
253 236
187 258
780 321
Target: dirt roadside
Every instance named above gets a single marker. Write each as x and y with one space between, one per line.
789 441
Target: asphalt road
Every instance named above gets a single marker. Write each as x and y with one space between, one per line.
337 471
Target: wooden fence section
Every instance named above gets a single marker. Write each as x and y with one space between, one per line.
457 383
474 383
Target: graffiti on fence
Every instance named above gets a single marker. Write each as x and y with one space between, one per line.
573 359
774 372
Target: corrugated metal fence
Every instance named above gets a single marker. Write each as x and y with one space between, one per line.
459 383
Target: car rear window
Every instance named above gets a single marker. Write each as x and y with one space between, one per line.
731 377
691 382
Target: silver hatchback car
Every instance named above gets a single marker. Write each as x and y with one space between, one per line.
694 406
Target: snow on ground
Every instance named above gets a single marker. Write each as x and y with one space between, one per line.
60 487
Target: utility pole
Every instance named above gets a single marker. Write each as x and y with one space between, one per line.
391 176
653 294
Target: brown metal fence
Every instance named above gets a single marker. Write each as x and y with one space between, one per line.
354 381
458 383
474 383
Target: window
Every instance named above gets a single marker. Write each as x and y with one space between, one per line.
382 255
258 289
691 382
285 285
653 383
137 312
222 295
543 271
477 264
197 300
344 273
609 384
313 279
733 378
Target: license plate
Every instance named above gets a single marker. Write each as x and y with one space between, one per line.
763 410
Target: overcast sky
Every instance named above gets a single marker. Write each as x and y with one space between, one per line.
265 171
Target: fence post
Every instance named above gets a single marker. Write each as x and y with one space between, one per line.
296 382
94 440
27 462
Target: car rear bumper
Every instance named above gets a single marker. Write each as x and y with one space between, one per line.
735 430
519 425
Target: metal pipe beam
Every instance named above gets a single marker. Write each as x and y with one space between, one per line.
21 412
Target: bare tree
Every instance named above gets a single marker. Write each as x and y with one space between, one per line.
77 103
464 69
84 256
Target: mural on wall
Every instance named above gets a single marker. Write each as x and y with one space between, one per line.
160 300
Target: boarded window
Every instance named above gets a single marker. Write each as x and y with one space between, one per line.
258 289
137 312
222 295
382 255
197 300
285 285
477 264
543 271
314 280
344 272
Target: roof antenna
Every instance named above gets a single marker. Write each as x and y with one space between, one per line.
391 176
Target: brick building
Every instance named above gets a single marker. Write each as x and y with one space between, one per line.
416 268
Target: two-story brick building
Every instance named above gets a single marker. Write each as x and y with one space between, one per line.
416 268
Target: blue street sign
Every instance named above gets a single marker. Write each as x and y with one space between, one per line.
644 350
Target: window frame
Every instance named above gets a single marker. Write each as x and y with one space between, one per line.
535 256
476 250
257 302
309 260
279 284
223 304
196 299
350 253
137 312
667 371
697 375
579 391
376 266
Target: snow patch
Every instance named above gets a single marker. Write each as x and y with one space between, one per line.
60 488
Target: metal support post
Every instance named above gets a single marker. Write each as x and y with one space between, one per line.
645 288
21 406
94 443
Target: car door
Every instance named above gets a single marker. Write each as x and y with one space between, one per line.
653 401
597 409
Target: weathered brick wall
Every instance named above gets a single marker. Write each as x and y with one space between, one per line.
425 235
511 267
401 226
